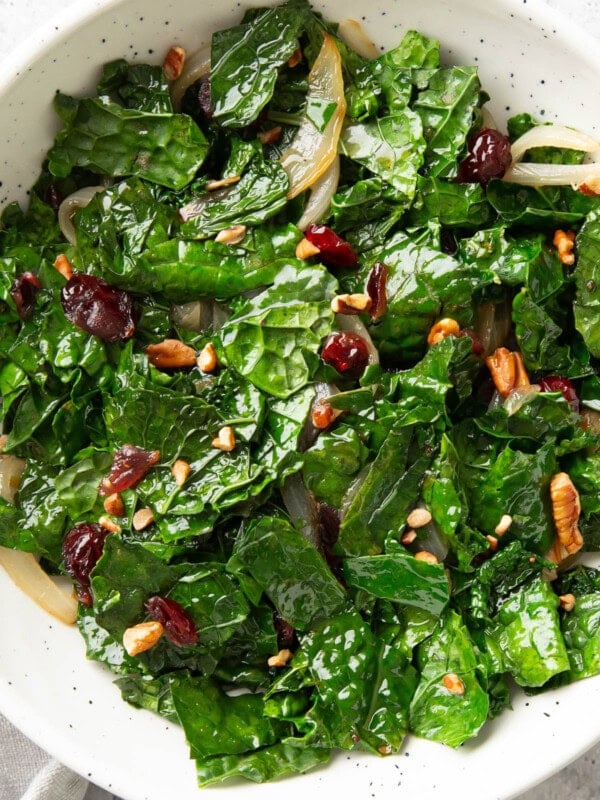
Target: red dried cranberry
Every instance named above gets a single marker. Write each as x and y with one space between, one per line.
81 550
204 98
286 635
23 292
488 157
130 464
98 308
375 288
346 352
477 346
53 197
334 251
554 383
179 627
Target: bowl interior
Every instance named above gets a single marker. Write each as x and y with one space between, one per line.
528 62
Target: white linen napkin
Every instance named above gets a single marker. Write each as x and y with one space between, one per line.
27 773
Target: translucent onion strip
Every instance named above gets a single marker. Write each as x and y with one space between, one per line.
196 315
312 151
553 136
75 201
196 66
301 506
30 578
23 568
574 175
320 196
352 33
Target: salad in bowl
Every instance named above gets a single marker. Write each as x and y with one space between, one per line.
299 377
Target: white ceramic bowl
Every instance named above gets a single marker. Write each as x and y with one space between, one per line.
529 60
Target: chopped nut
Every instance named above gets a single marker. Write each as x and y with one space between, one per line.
567 602
564 241
323 415
270 136
174 63
418 517
442 329
591 187
351 303
109 524
233 235
565 511
142 518
3 441
64 266
503 525
408 537
171 354
207 358
493 542
142 637
521 376
453 683
225 439
114 505
181 471
213 185
306 249
532 559
425 555
295 58
281 659
507 370
384 749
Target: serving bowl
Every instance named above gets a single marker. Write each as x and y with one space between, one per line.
529 60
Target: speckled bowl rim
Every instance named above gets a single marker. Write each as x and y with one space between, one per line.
33 47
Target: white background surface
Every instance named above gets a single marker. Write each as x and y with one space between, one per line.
581 780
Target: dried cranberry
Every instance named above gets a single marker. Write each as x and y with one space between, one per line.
98 308
488 157
448 243
204 98
82 547
328 521
334 251
53 197
477 346
130 464
376 283
346 352
179 627
554 383
23 292
286 634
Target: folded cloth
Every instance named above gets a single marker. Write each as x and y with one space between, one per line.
27 773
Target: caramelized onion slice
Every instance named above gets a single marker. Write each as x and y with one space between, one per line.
312 151
70 205
553 174
553 136
320 196
352 33
196 66
30 578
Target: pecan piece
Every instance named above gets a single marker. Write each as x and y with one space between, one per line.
442 329
171 354
64 266
565 511
142 637
174 63
564 241
507 370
